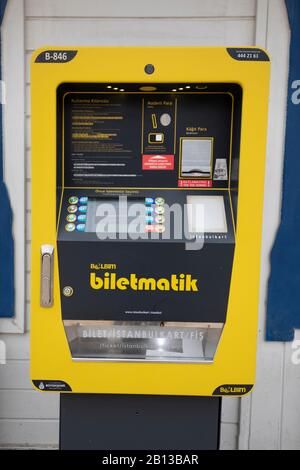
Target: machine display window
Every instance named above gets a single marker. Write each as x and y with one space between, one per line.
143 341
115 215
206 214
196 157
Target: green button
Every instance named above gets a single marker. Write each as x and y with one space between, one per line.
72 209
73 200
160 219
160 228
159 210
159 201
71 218
70 227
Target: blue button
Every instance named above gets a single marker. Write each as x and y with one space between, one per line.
149 200
80 227
82 208
149 219
83 200
149 210
81 218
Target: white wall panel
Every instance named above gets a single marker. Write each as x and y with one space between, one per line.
13 71
141 9
290 425
28 404
267 400
28 433
158 32
28 418
15 376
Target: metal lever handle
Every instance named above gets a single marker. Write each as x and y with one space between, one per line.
47 276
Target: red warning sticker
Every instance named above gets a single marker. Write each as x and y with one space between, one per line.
158 162
194 183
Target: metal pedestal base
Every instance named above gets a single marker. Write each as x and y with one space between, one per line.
138 422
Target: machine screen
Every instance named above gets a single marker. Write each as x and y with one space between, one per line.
206 214
116 215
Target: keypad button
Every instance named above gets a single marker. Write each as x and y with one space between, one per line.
82 208
159 201
80 227
72 209
160 219
159 210
71 218
83 200
149 200
73 200
70 227
81 218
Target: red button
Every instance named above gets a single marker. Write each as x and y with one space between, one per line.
149 228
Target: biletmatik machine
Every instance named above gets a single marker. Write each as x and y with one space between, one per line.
147 195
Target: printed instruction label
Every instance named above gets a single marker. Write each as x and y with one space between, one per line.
158 162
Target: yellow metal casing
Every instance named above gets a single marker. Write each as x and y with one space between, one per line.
234 363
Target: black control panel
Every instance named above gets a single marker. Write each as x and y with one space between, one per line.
162 216
147 184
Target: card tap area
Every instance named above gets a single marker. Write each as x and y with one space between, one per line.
148 264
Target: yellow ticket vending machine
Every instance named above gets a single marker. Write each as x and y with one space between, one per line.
147 196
